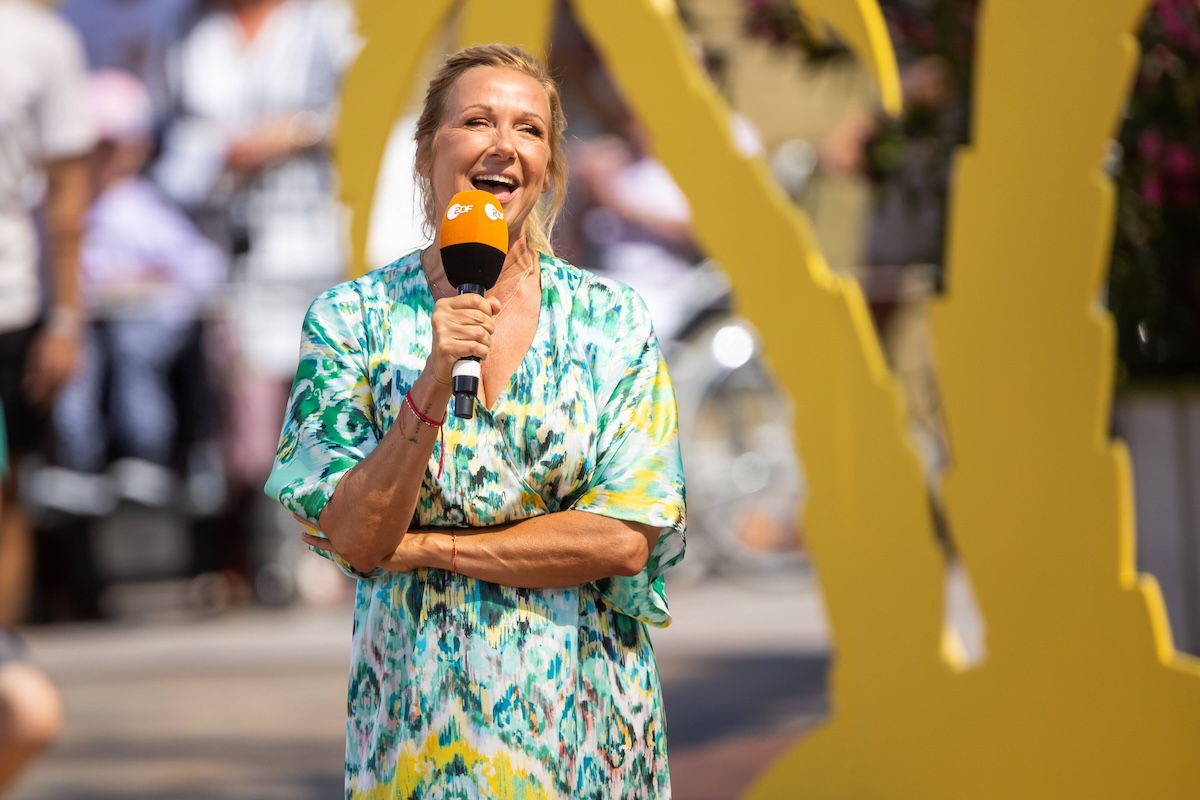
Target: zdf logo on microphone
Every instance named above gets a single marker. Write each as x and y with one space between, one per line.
492 212
457 208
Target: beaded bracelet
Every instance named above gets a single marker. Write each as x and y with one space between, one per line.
433 424
454 553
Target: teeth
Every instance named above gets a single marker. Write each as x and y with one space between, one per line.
497 179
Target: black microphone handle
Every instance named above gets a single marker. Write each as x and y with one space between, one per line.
466 370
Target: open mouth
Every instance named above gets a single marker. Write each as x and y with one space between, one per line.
500 185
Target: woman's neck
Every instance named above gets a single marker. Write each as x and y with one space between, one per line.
520 258
251 15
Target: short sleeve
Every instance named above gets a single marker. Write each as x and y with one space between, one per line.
64 127
638 475
328 427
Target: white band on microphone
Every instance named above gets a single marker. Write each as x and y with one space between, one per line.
468 367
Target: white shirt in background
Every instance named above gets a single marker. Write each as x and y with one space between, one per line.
290 214
43 117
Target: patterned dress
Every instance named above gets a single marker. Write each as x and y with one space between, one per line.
460 688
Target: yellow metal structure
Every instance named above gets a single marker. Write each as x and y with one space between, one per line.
861 27
1082 695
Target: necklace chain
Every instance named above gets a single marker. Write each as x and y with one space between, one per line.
511 295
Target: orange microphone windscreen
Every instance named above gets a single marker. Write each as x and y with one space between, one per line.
475 216
473 239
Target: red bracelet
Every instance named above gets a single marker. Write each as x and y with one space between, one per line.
433 424
454 553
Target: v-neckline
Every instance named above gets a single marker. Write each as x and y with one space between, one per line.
506 387
538 333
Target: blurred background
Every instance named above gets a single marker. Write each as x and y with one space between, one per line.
201 651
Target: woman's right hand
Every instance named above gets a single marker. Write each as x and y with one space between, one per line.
462 326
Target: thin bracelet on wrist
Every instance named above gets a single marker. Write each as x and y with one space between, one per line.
433 423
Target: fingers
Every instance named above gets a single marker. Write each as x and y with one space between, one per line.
462 327
309 534
52 360
319 542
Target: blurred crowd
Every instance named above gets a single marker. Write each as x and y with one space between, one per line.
169 211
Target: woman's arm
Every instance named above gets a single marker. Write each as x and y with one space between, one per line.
369 512
566 548
367 517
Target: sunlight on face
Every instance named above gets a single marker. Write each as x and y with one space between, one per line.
495 136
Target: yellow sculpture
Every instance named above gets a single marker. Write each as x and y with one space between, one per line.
1082 695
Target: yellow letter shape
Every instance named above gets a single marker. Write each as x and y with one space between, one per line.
1081 696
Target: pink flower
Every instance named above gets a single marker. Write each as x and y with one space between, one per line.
1179 162
1152 190
1149 145
1174 17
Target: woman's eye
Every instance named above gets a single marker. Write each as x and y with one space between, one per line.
533 130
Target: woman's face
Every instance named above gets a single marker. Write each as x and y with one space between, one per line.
495 136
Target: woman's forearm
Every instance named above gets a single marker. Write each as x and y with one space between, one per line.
372 507
369 512
566 548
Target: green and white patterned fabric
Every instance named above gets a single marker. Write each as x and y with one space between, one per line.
463 688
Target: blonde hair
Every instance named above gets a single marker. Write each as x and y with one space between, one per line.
540 223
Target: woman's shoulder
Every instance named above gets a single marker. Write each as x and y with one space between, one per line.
605 320
380 287
599 294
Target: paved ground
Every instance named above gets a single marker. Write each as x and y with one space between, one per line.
249 704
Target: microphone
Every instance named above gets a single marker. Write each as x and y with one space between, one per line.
474 243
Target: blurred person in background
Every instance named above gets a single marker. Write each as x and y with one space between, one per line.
147 273
147 276
909 161
30 708
132 36
638 224
45 135
506 582
629 219
254 86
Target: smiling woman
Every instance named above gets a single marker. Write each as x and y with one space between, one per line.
508 563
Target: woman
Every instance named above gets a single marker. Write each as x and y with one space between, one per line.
509 563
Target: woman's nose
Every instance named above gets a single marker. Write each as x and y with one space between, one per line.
503 144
